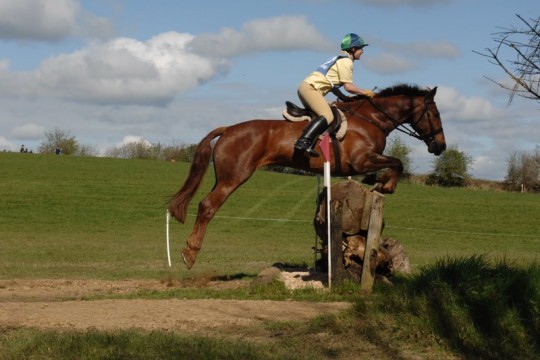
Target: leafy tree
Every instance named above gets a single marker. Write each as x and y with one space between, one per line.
524 69
450 169
59 139
398 149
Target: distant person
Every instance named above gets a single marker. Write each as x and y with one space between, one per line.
334 73
22 148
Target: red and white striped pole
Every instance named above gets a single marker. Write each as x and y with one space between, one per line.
325 148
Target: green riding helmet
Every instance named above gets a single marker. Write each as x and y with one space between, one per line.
352 41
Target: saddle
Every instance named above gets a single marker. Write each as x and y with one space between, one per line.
337 128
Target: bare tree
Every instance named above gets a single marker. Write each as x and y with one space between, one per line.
61 140
524 171
524 69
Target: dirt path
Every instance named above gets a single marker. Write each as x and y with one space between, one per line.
44 304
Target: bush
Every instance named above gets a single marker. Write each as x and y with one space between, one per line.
143 149
59 139
478 309
450 169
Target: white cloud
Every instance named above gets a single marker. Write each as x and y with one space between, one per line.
434 49
128 139
155 71
28 131
401 57
278 33
460 107
6 144
388 63
37 19
423 49
486 166
395 3
92 26
48 20
120 71
4 65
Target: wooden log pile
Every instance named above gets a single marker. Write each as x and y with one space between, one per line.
355 207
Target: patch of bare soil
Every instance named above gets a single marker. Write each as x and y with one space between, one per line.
58 304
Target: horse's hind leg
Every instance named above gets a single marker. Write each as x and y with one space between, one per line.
207 209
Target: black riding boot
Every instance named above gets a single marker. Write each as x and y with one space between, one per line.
313 130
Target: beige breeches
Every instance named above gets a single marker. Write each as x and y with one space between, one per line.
314 100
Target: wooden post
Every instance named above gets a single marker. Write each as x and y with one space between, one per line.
372 242
337 269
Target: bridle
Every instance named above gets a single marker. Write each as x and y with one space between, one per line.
427 137
430 136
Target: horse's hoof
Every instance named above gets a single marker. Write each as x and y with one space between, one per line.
188 259
377 187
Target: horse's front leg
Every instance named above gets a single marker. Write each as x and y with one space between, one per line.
386 182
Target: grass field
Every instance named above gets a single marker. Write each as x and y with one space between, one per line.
77 217
475 292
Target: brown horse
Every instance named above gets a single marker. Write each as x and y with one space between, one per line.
244 147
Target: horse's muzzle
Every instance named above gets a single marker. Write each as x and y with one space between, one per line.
436 148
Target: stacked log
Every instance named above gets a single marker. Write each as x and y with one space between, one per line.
355 210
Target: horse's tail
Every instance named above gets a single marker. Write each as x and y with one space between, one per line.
180 201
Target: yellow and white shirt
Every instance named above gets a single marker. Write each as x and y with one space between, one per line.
341 72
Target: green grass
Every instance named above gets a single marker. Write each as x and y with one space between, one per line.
32 344
463 307
73 217
478 308
435 222
77 217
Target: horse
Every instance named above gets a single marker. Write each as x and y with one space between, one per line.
246 146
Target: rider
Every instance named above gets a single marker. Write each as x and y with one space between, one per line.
334 73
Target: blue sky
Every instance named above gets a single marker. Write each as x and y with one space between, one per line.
111 71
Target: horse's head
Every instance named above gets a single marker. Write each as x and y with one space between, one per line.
402 104
427 124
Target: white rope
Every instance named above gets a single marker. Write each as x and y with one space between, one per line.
386 226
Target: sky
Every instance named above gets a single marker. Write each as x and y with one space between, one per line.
110 71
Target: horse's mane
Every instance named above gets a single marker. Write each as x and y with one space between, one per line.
403 89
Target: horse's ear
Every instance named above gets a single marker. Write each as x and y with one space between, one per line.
432 92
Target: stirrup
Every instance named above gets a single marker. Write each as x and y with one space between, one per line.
312 152
306 145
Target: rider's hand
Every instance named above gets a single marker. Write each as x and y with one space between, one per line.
370 94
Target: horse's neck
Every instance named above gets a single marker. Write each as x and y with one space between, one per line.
385 113
391 112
